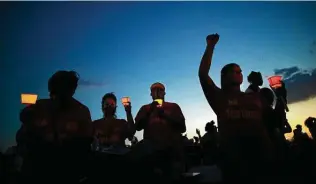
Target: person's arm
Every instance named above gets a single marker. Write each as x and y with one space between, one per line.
211 91
130 121
142 118
176 118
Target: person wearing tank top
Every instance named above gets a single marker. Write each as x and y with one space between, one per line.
244 142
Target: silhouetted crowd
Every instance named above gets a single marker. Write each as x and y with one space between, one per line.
59 143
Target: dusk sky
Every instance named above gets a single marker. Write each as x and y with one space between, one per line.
124 47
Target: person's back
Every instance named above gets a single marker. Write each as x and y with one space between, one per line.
60 136
57 132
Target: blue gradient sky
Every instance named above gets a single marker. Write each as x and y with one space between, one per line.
126 46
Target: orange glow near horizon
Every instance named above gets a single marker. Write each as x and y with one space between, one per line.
299 112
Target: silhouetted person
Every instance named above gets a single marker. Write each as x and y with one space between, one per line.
310 123
281 94
112 131
209 142
299 135
163 125
270 115
255 80
281 108
244 141
57 133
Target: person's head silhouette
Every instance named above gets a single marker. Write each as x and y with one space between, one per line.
109 104
210 126
63 84
267 95
310 122
255 78
157 91
299 128
231 77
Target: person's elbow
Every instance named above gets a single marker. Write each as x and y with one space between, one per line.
202 74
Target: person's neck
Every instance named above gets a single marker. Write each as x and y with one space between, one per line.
108 116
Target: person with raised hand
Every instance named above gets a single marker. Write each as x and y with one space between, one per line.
244 142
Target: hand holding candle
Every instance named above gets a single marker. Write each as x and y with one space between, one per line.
160 102
28 99
126 101
275 81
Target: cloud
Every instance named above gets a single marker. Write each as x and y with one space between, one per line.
286 72
90 83
300 84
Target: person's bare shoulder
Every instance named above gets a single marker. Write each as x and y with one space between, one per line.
43 102
80 106
97 121
43 106
122 120
171 104
145 107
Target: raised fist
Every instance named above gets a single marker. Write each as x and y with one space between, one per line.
212 39
197 131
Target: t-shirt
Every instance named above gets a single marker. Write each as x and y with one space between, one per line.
57 137
160 130
240 121
240 114
112 131
50 123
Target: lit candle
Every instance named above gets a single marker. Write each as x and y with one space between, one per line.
275 81
126 101
28 99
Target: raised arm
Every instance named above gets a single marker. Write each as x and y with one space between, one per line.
211 91
130 121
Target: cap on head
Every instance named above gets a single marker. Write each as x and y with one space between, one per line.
157 85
